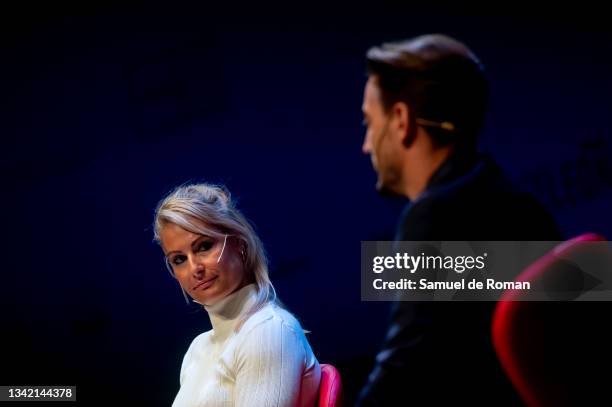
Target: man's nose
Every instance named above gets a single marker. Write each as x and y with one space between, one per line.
367 145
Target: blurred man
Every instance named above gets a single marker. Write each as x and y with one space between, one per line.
424 104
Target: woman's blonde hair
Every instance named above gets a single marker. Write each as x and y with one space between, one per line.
207 209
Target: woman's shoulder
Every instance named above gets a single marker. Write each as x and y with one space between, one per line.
271 317
201 340
274 334
197 345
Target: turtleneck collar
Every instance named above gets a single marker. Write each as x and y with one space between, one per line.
226 314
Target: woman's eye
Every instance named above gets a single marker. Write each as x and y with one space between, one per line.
178 260
205 246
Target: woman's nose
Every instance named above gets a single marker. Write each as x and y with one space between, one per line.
196 265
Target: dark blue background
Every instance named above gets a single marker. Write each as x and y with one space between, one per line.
107 108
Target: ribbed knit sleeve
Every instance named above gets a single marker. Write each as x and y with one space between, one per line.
269 365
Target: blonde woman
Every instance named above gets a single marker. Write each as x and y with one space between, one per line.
256 353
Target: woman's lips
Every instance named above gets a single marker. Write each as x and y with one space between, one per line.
205 284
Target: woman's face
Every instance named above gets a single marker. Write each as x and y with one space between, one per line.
205 269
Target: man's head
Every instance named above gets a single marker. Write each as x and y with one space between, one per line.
424 98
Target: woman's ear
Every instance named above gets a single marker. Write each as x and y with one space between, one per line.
243 250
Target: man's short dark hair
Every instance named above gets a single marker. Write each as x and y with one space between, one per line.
441 81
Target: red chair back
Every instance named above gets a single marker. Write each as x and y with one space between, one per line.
531 338
330 389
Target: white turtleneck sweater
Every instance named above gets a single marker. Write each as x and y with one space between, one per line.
267 363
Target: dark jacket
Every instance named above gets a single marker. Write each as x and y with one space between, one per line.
441 352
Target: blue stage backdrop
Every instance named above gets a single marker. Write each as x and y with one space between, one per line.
105 110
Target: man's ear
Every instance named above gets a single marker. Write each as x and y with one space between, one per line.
403 123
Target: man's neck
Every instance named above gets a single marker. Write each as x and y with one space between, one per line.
420 170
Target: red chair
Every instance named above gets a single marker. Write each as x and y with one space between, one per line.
544 347
330 389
